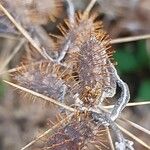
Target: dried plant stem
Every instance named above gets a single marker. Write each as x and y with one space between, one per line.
133 136
18 68
89 7
22 30
9 36
113 41
41 96
135 125
71 15
129 104
138 103
47 131
47 98
71 12
110 138
12 55
130 39
105 107
124 97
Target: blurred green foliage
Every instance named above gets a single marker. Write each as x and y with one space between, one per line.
144 91
2 89
133 58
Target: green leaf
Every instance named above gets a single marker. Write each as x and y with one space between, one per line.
142 55
144 90
126 62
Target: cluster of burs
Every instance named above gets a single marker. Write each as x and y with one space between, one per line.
75 72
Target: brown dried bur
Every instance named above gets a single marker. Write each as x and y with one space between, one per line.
88 53
46 78
80 133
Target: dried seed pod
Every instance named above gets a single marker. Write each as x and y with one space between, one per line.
92 68
74 33
45 78
89 52
78 134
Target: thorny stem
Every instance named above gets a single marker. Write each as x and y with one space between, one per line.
71 12
122 143
63 52
124 98
71 16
